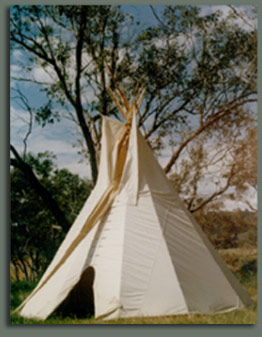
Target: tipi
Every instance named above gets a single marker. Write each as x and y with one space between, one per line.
134 245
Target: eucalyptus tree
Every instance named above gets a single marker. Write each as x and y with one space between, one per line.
199 71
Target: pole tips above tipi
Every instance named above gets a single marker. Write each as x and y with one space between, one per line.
126 106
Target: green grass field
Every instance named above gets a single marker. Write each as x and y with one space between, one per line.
243 262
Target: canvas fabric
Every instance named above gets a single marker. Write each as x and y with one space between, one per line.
150 257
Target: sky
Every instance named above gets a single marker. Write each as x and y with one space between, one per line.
61 138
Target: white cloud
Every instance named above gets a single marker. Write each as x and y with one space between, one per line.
17 71
245 20
40 74
225 10
37 73
74 166
17 55
250 196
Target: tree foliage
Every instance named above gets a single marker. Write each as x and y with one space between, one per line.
229 229
35 232
199 71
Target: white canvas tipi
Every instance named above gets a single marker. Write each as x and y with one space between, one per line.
146 254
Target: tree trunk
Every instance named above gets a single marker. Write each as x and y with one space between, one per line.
78 102
23 267
16 271
46 196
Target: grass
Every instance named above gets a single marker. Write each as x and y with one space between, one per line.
247 316
243 262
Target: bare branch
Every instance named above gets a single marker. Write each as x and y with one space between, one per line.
217 193
26 105
221 113
20 79
249 205
165 119
157 17
240 16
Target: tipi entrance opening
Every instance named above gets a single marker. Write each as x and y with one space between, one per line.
80 301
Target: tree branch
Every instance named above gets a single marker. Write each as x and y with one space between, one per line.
24 100
217 193
78 105
46 196
221 113
240 16
165 119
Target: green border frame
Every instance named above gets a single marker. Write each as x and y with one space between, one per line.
27 330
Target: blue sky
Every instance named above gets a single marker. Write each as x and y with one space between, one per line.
61 138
